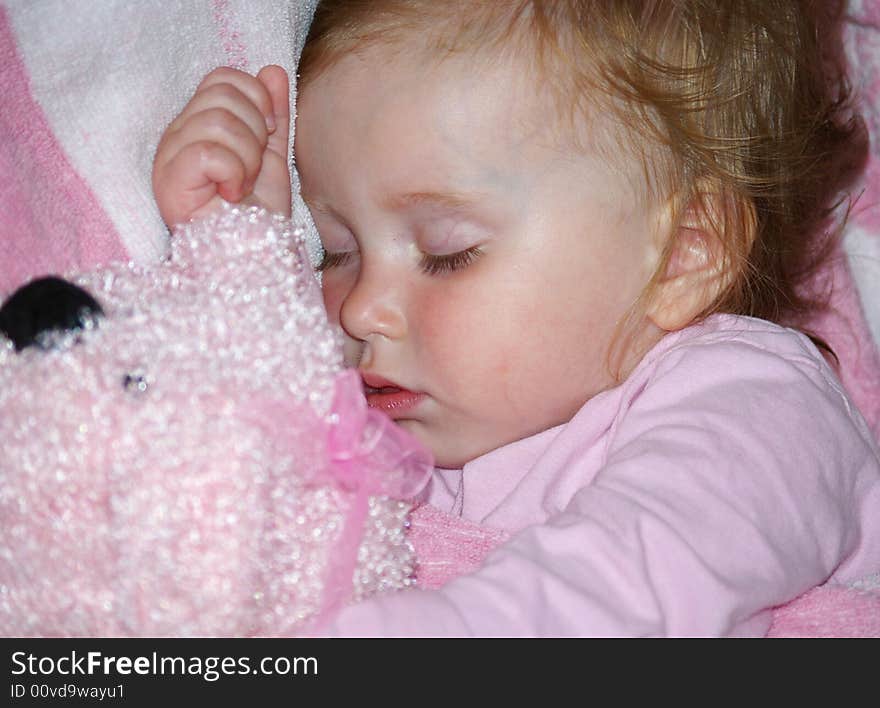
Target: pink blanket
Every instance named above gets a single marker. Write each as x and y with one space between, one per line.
88 93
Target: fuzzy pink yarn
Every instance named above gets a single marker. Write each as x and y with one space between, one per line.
198 464
830 611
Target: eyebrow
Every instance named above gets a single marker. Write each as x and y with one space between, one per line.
453 200
396 202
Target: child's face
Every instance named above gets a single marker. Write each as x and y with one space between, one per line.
478 264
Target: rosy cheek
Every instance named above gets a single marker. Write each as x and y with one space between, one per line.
447 331
429 316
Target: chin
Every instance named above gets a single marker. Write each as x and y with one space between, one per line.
440 452
455 458
450 451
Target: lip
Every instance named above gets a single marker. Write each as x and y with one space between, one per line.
390 398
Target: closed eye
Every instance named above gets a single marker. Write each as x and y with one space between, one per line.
441 265
334 260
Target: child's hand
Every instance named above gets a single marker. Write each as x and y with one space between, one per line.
229 142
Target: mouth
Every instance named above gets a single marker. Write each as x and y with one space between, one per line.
393 400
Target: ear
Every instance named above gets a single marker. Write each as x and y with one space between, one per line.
697 270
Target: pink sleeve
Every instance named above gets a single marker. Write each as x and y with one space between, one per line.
737 480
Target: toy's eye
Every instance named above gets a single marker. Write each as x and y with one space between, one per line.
46 307
135 382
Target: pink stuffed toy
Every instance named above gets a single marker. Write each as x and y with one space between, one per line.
183 454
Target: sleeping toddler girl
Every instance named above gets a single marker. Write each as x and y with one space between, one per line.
567 243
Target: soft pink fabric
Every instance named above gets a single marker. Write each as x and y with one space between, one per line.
829 611
843 325
448 547
49 219
728 475
198 463
111 76
862 36
368 456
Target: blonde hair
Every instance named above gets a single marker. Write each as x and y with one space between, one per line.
745 101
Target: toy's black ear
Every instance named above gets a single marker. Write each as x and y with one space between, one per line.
45 305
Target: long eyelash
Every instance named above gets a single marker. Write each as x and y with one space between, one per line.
333 260
440 265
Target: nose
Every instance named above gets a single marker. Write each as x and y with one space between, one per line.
374 306
45 305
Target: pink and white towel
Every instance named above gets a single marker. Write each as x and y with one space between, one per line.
88 89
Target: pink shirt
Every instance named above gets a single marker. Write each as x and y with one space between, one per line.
727 475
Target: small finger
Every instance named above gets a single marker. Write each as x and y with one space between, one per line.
248 85
227 98
275 80
217 125
194 176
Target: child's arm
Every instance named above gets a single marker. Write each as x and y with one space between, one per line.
229 142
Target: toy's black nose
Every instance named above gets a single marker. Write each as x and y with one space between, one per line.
45 305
